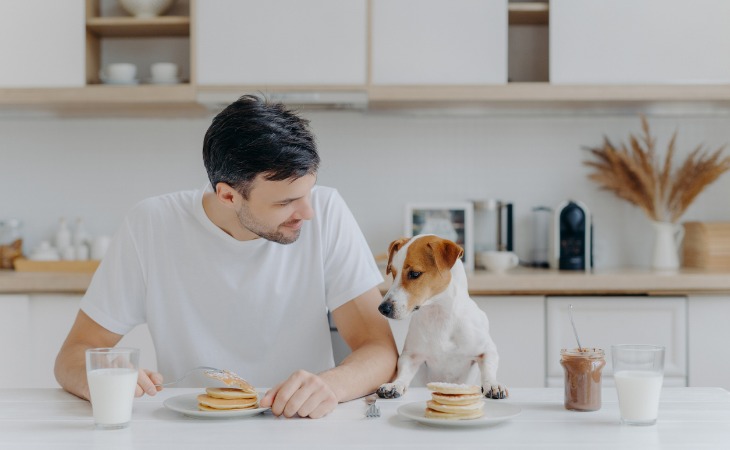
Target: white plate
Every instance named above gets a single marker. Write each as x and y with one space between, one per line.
188 404
494 412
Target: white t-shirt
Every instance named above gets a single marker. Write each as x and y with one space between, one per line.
255 307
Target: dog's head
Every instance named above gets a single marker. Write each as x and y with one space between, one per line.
421 269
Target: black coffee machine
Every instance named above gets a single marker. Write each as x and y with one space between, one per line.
572 242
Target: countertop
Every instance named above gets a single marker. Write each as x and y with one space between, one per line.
519 281
689 418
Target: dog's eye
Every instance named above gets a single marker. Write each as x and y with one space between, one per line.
412 274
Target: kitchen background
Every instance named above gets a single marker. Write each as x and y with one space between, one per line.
98 169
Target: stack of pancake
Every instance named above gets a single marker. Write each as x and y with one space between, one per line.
227 399
454 401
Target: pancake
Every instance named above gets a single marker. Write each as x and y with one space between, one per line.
474 414
202 407
455 409
229 393
455 399
231 379
226 404
452 388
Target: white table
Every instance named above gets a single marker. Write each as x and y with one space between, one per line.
689 418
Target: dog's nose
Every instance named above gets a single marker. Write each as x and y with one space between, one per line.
386 309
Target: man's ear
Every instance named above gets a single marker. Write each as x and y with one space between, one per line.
226 194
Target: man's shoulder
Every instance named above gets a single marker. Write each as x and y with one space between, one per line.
173 202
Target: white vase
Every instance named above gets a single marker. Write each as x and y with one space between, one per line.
667 239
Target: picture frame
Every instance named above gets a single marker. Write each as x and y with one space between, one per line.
453 221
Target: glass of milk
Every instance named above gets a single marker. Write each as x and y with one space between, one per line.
112 377
638 371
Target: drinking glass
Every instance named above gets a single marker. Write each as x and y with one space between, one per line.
638 371
112 376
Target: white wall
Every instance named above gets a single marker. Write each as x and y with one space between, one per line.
98 168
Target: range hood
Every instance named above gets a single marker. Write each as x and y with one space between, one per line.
218 98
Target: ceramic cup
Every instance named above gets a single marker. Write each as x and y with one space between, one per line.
120 72
499 262
99 247
164 72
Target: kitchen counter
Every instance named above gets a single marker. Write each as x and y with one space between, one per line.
519 281
688 418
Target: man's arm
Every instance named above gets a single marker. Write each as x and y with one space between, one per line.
371 363
70 369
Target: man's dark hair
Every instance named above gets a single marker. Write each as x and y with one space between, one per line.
252 136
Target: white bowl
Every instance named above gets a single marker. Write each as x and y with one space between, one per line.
146 8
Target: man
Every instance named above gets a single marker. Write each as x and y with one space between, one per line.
240 274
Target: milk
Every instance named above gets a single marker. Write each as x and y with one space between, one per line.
112 393
638 394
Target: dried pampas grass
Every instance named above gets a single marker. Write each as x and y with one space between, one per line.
636 174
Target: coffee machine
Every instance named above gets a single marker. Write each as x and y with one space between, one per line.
572 241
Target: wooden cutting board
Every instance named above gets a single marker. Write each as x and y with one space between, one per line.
29 265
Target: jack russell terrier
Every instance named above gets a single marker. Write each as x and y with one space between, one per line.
449 332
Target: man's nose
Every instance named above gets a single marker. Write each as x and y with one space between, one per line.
304 211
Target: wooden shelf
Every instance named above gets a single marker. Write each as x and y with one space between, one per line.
529 13
134 27
544 93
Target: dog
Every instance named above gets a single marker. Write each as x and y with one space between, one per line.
448 332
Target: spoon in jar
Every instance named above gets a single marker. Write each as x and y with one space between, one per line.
572 322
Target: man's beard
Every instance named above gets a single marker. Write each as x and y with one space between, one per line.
274 235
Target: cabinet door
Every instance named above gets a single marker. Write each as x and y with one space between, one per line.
604 321
630 42
42 43
280 42
14 321
517 326
709 335
437 42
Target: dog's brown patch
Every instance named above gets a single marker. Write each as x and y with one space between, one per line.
426 269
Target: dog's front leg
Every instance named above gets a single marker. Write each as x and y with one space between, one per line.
408 364
488 362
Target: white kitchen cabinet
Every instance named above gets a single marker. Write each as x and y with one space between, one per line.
709 336
42 43
629 42
32 330
433 42
280 42
604 321
517 326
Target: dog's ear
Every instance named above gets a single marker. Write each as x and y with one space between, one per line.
392 249
445 253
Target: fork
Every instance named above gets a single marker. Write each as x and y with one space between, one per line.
373 409
208 370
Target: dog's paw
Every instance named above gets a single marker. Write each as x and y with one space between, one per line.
496 391
391 390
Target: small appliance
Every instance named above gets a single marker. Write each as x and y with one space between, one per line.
572 241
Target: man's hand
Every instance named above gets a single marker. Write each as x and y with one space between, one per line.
304 394
146 382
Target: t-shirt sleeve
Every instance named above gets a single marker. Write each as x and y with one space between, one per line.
115 297
350 267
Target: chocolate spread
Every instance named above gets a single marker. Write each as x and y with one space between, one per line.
582 378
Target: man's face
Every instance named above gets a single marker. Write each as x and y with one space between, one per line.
276 210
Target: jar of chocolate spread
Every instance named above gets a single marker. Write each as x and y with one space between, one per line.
582 368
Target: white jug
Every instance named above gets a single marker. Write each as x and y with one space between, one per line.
667 239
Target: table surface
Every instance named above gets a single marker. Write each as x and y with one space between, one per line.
689 418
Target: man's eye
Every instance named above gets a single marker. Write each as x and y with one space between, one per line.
412 274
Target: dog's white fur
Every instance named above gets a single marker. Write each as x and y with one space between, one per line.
448 332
